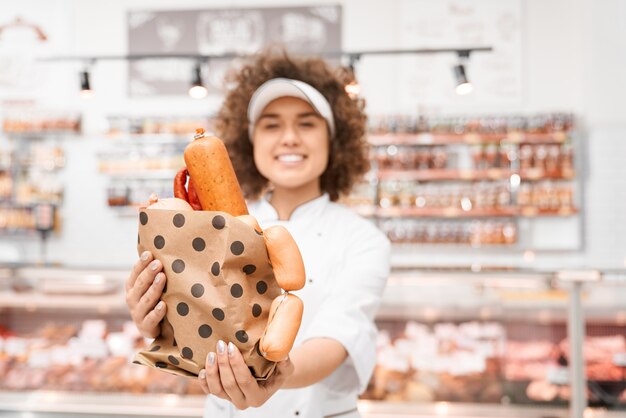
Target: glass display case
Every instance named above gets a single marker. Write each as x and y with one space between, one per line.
452 342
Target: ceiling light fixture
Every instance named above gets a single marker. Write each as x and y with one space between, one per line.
86 92
463 85
353 88
197 89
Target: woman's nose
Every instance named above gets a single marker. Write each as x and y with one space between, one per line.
290 136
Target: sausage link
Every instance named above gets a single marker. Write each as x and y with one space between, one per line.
215 181
194 201
179 185
285 258
282 327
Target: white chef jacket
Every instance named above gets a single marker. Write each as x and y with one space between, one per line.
346 259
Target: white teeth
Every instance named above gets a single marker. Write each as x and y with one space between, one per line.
290 158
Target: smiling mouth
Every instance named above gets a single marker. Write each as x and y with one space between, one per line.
290 158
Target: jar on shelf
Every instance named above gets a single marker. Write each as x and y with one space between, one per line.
526 157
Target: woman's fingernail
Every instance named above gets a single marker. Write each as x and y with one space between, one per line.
221 347
157 278
202 374
231 349
211 358
154 265
160 305
145 255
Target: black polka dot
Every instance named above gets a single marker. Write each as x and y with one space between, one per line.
179 220
241 336
178 266
183 309
218 314
159 242
237 247
256 310
215 269
261 287
249 268
205 331
197 290
161 365
155 348
198 244
143 218
173 360
187 353
236 290
219 222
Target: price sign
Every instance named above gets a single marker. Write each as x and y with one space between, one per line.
558 375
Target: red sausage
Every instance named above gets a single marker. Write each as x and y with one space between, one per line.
194 201
179 185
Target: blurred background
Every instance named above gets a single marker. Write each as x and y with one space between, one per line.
498 170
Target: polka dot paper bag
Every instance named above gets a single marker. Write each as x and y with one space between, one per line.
220 285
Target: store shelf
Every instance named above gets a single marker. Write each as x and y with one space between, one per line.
449 212
484 293
531 212
374 409
453 212
116 404
33 301
36 135
165 174
150 138
472 175
169 405
446 139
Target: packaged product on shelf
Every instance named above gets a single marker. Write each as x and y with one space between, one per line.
448 362
34 120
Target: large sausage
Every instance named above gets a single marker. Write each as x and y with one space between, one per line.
282 327
285 257
213 175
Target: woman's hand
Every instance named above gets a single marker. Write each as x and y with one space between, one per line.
143 291
227 376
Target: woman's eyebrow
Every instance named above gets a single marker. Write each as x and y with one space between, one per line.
268 115
307 114
299 115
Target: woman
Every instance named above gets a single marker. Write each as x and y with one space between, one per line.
296 142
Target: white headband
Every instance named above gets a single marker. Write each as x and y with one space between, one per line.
285 87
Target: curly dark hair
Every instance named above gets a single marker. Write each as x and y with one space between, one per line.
348 159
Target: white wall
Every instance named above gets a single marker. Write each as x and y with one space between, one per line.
573 56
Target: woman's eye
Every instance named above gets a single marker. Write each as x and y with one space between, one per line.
271 126
307 124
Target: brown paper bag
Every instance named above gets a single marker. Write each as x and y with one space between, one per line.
220 285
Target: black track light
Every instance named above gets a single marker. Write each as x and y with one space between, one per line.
197 89
353 88
463 85
85 85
